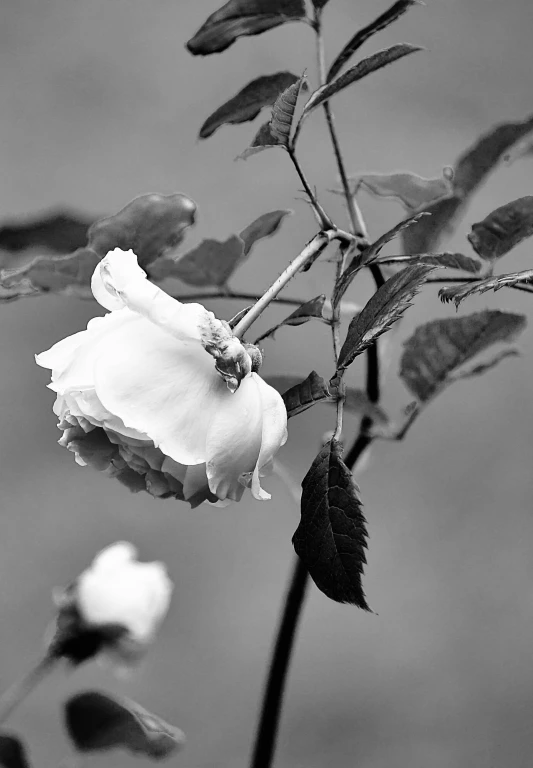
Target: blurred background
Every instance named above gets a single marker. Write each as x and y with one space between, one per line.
100 103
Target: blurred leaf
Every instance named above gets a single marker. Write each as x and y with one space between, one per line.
458 293
283 112
13 752
264 226
412 191
382 22
503 229
331 537
519 150
249 102
59 232
320 3
362 69
302 314
487 365
438 348
449 260
242 17
301 395
368 255
150 225
470 170
262 140
357 402
97 722
385 307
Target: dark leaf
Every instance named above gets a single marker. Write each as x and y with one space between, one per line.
503 229
283 112
249 102
264 226
439 347
13 752
331 537
212 262
98 722
369 255
304 313
470 170
449 260
242 17
59 232
382 22
301 395
320 3
262 140
385 307
412 191
458 293
362 69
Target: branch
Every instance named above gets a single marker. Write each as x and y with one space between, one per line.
234 296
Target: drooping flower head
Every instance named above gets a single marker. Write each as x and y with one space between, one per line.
161 395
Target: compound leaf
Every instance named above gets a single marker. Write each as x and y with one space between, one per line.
458 293
283 112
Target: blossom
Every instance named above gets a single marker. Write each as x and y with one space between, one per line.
116 606
161 395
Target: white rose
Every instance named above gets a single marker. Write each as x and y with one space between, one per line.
139 397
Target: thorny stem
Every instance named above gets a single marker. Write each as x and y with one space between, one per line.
16 694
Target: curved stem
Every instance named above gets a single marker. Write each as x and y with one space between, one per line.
16 694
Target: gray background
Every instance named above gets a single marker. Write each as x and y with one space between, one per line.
101 102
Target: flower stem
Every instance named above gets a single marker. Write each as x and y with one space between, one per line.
240 296
16 694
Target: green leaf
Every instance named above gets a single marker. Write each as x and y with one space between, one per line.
412 191
449 260
331 537
458 293
300 395
283 112
262 140
248 102
98 722
305 312
59 232
264 226
470 170
362 69
503 229
13 752
438 348
382 22
385 307
242 17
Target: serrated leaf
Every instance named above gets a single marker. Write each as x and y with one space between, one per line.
302 314
263 140
449 260
385 307
248 102
503 229
59 232
458 293
438 348
382 22
361 69
264 226
470 170
409 189
283 112
13 752
242 17
98 722
331 537
212 262
300 395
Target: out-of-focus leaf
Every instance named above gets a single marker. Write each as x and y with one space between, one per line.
412 191
470 170
519 150
331 537
264 226
487 365
212 262
98 722
305 312
503 229
449 260
369 255
283 112
357 402
13 752
301 395
242 17
458 293
385 307
58 232
249 102
150 226
320 3
438 348
382 22
262 140
361 69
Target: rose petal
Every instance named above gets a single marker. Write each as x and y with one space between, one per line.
274 433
